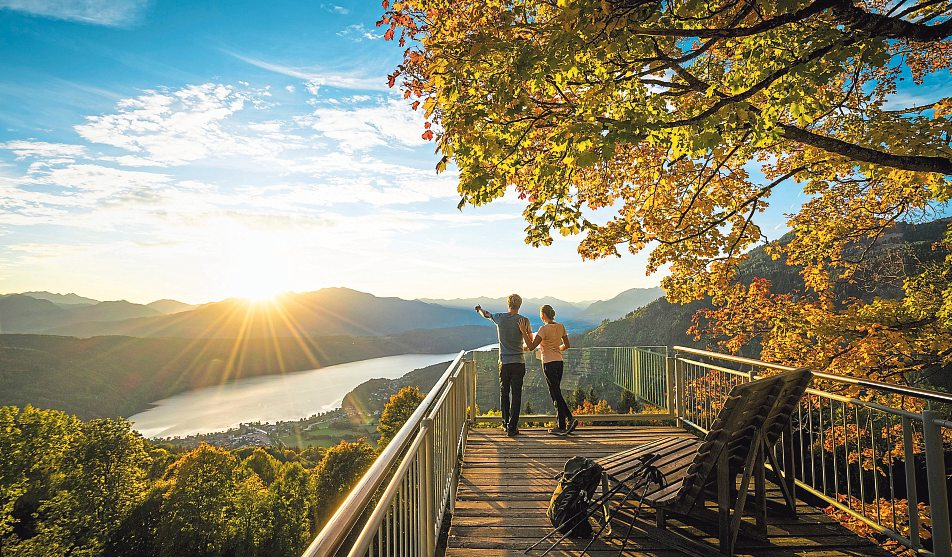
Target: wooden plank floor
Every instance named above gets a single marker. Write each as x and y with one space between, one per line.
506 483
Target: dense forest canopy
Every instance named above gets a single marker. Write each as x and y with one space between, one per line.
69 487
678 119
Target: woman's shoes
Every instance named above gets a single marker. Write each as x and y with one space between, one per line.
558 431
571 425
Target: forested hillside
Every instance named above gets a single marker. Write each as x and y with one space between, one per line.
895 256
69 487
119 376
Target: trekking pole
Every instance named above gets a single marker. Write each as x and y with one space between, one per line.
588 511
608 518
595 503
592 507
654 475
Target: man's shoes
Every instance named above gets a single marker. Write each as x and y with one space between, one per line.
571 425
512 432
558 431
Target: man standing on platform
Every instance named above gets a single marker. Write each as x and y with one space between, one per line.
514 332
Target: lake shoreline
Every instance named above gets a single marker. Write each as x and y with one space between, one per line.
270 398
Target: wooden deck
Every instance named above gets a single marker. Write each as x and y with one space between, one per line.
506 483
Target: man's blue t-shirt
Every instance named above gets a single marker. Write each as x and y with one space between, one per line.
509 328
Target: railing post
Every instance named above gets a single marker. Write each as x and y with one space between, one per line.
938 494
452 449
471 384
912 495
675 387
635 361
429 519
789 473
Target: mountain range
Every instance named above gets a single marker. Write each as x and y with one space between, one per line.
575 314
20 313
330 311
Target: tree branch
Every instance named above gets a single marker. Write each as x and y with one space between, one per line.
878 25
733 32
914 163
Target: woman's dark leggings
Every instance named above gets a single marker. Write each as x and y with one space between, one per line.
553 378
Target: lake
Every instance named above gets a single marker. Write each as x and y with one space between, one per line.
270 398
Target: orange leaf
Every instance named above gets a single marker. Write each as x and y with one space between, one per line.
388 35
427 135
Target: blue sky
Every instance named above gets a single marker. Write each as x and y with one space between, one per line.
201 150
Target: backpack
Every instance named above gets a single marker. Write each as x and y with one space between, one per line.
569 504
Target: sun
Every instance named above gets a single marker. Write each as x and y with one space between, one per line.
261 296
258 284
258 277
257 265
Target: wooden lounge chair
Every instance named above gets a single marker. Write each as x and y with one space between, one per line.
748 426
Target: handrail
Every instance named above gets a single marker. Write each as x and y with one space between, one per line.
934 396
411 486
330 538
844 427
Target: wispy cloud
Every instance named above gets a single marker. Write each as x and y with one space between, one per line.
32 149
388 123
141 164
335 9
317 76
175 127
111 13
357 33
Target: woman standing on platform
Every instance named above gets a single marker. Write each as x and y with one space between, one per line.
553 339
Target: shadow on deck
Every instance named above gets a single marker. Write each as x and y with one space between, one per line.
505 485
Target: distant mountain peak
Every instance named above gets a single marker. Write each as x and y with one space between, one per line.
167 306
70 299
329 311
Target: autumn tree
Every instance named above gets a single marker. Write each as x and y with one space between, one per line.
255 519
396 412
666 126
200 512
291 501
137 534
103 478
34 444
264 465
337 474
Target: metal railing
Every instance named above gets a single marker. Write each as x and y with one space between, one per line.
420 467
874 452
642 371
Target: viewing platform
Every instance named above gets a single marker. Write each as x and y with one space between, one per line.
452 483
505 484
